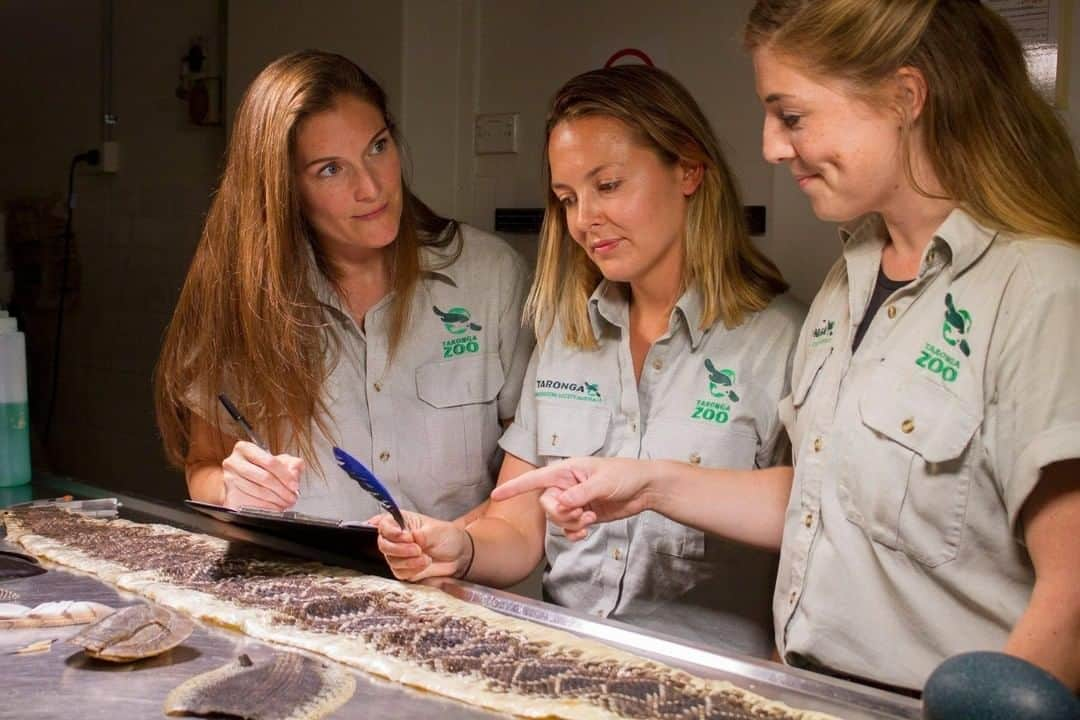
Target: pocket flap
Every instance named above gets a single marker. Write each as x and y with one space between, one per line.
918 413
570 430
462 381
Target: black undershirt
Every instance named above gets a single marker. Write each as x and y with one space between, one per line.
883 288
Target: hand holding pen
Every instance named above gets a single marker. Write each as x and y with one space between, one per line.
253 476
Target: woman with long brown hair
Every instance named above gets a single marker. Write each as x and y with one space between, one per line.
664 334
934 503
335 308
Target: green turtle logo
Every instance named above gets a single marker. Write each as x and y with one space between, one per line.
456 320
592 390
958 321
721 382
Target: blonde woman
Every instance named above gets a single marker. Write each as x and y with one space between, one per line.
335 308
663 336
934 504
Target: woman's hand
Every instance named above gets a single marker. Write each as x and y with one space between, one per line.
581 491
255 478
426 548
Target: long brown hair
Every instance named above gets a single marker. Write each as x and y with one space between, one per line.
248 320
733 276
996 146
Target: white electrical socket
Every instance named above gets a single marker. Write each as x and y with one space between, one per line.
495 133
110 156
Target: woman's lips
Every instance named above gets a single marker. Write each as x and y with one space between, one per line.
373 214
804 180
604 246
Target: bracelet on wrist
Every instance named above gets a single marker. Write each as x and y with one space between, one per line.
472 555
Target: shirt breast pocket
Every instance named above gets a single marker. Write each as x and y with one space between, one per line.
791 406
907 484
564 430
461 396
728 446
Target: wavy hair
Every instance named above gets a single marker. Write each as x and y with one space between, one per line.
732 275
248 318
997 147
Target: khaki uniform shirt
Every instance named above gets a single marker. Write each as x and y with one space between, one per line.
914 456
706 397
427 423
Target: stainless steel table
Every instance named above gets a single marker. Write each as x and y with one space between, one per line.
64 683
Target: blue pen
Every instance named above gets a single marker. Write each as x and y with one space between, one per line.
356 470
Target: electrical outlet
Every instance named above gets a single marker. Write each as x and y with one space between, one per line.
110 156
496 133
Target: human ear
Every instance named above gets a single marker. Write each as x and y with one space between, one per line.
691 175
911 92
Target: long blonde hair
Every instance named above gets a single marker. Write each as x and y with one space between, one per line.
247 320
732 275
996 146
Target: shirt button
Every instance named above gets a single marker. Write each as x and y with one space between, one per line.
695 459
808 520
657 364
617 554
791 598
384 456
554 440
891 311
907 426
633 425
378 387
817 444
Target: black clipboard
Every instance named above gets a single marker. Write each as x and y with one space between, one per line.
344 538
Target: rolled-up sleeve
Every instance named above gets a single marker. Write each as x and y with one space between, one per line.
515 340
520 438
1038 389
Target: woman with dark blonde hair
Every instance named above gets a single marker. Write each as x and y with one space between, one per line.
934 503
335 308
663 335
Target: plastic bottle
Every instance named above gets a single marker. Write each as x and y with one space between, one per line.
14 412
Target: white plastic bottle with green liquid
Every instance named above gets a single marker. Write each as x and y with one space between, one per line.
14 414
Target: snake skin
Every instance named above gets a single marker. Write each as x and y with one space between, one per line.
393 624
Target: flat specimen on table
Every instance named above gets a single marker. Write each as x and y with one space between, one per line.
286 686
412 634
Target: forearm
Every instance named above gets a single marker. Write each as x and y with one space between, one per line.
205 481
1046 634
503 554
746 506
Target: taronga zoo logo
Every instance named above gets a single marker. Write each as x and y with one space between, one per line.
823 333
957 323
456 320
721 382
568 390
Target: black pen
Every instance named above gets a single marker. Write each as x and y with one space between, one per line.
252 436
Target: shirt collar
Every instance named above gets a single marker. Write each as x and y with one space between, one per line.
960 236
609 303
434 263
965 238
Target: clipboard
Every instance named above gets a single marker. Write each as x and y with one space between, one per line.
345 538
